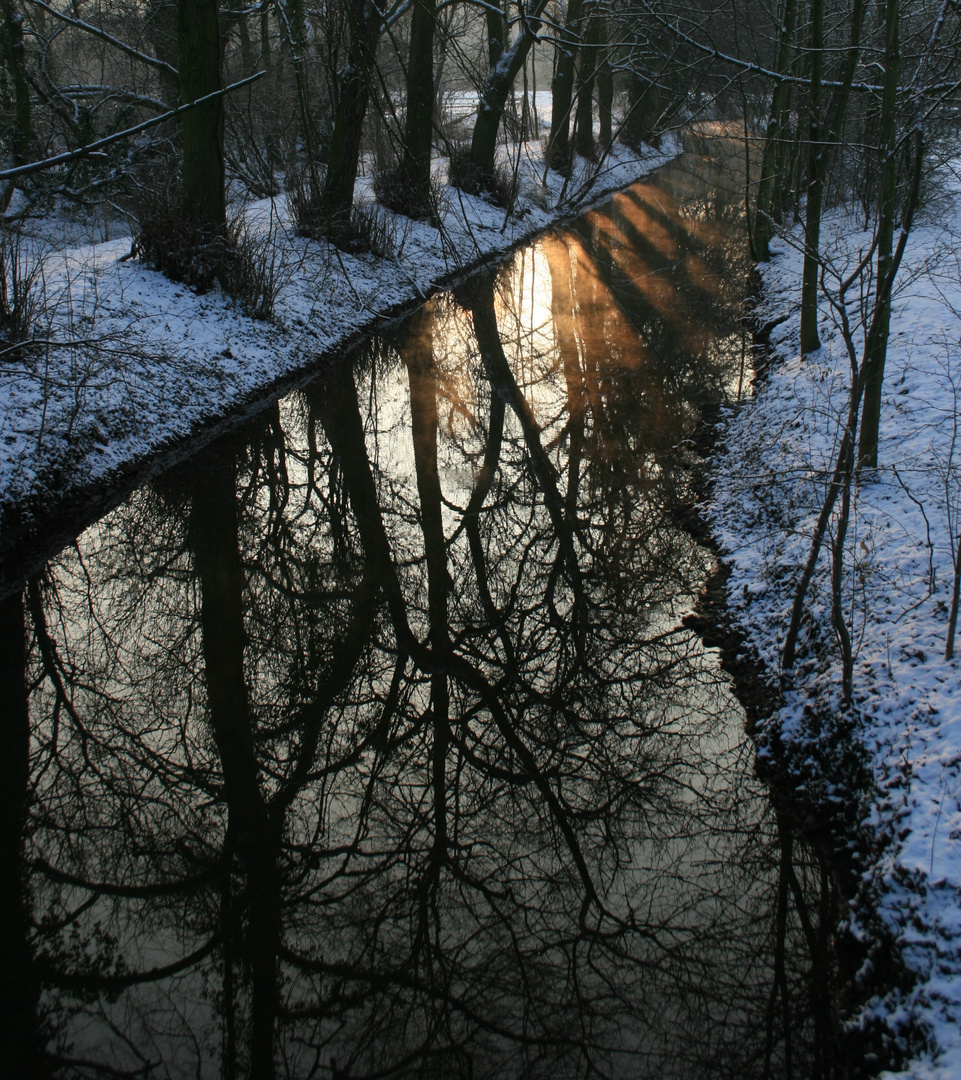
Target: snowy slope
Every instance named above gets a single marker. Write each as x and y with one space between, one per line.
904 815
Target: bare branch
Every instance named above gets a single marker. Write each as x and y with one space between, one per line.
89 28
94 147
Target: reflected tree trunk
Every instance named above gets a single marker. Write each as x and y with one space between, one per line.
417 354
253 840
19 982
562 313
481 291
418 357
475 506
335 403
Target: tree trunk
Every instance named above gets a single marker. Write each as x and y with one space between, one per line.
842 92
500 79
775 180
14 59
204 197
842 474
419 122
887 209
295 25
810 341
587 69
366 21
496 34
776 124
562 89
643 112
605 90
268 62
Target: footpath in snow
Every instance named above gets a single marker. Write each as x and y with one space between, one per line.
895 759
132 363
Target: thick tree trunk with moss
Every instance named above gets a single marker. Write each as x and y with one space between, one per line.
200 51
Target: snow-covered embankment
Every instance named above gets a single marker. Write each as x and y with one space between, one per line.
905 728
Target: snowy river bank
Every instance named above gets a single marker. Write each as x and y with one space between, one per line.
885 774
131 364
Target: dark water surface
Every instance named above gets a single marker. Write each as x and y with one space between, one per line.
370 742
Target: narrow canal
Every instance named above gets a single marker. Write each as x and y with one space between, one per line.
370 741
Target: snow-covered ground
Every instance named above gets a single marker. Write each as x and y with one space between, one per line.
131 362
904 736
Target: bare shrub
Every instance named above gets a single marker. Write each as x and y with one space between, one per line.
249 268
250 156
395 190
21 303
373 230
369 228
305 200
170 241
498 186
254 270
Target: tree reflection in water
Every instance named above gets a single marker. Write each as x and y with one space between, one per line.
371 742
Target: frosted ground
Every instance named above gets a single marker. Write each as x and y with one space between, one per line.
903 543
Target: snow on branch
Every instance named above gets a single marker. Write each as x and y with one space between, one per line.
96 31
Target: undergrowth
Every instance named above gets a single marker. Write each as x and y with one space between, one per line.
246 267
498 185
